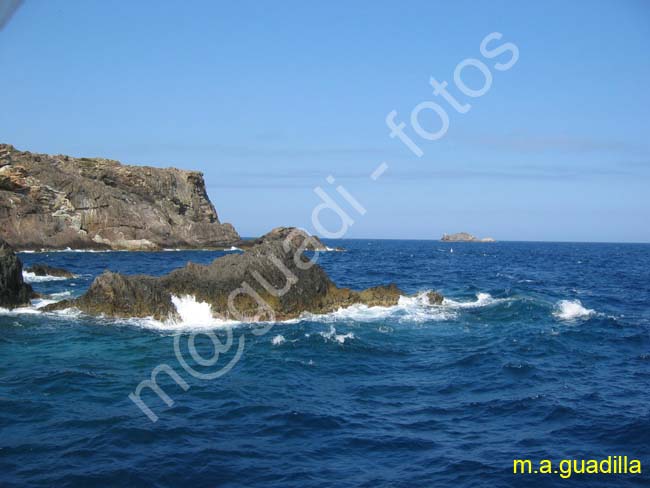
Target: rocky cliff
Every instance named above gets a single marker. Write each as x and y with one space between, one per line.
56 202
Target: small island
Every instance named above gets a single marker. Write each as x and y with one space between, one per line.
464 237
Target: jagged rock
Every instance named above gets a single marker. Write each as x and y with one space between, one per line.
464 237
56 202
435 298
292 235
269 281
14 292
45 270
116 295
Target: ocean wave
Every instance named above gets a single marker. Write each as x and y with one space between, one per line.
30 277
331 335
408 309
482 300
571 310
193 315
331 249
278 340
19 311
36 304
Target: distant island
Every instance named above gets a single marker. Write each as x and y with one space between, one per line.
464 237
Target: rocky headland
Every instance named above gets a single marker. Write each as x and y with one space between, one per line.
464 237
59 202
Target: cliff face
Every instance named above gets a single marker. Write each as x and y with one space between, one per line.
57 202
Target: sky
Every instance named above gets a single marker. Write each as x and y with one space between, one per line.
269 100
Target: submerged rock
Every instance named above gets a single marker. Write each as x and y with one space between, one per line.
45 270
272 280
58 202
14 292
464 237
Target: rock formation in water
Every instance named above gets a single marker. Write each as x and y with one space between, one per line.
14 292
271 280
58 202
296 235
45 270
464 237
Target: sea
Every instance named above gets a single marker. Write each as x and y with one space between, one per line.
539 351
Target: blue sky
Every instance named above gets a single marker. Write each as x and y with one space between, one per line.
268 100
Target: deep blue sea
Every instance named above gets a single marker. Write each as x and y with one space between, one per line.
540 351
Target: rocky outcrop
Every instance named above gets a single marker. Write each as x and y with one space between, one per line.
45 270
271 280
434 298
13 291
56 202
116 295
295 235
464 237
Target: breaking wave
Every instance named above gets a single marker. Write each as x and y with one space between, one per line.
331 335
571 310
30 277
278 340
408 309
482 300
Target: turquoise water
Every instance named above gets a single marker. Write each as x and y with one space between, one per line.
541 351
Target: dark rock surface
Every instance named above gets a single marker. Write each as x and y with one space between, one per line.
464 237
272 280
45 270
117 295
56 202
14 292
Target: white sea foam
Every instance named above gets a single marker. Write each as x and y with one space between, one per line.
408 309
571 310
30 277
195 315
233 248
61 295
19 311
278 340
331 335
36 304
482 300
